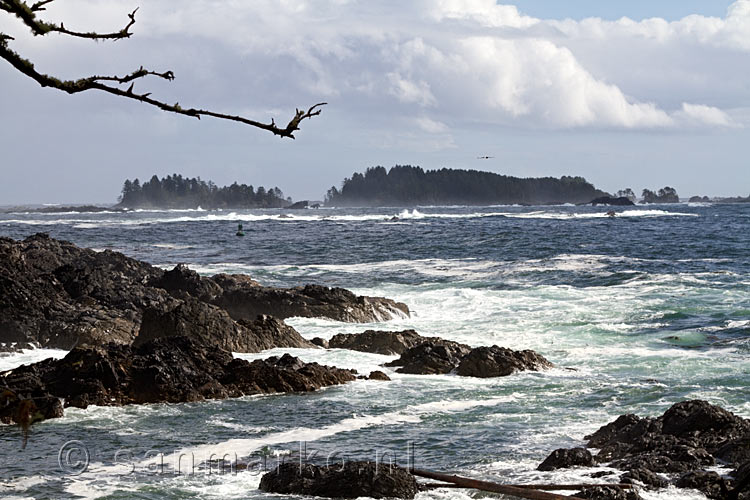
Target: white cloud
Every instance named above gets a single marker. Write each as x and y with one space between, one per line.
431 126
409 91
483 12
473 60
698 115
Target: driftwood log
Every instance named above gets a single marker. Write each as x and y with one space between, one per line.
529 491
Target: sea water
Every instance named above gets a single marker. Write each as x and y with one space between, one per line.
637 312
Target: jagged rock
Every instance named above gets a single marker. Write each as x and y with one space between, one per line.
320 342
688 437
269 332
563 458
378 342
435 357
56 294
709 483
607 493
645 477
735 451
438 356
59 295
350 480
206 323
243 300
697 417
171 369
378 375
486 362
183 279
741 482
683 439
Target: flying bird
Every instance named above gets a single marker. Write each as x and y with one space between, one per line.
484 157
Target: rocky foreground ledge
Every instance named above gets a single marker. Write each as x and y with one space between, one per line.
55 294
172 369
676 449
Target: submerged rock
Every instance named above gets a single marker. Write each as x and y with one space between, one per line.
348 480
171 369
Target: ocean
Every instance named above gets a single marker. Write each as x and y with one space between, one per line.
637 312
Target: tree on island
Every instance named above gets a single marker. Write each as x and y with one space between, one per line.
176 191
627 193
665 195
408 185
115 85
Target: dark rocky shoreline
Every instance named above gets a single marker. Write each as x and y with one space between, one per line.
139 334
676 448
55 294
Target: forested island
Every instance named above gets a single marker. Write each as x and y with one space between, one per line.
408 185
176 191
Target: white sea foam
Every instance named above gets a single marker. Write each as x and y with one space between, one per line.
245 447
8 361
142 217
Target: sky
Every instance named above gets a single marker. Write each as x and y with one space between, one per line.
635 93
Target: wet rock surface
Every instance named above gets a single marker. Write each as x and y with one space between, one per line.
349 480
607 493
55 294
681 444
563 458
378 342
438 356
429 358
171 369
494 361
244 300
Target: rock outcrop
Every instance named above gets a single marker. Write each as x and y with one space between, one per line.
486 362
438 356
246 300
431 358
172 369
564 458
688 438
348 480
55 294
378 342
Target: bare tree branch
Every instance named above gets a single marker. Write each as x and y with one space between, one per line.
27 14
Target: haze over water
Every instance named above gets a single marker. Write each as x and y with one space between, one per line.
637 312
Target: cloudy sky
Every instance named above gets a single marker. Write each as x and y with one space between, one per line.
625 93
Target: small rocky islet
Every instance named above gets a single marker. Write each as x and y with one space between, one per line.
140 334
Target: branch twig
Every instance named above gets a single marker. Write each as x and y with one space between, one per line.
27 13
